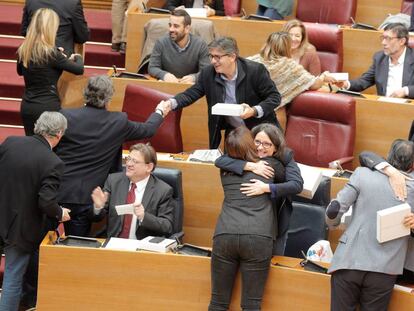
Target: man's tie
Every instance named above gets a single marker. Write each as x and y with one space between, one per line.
126 227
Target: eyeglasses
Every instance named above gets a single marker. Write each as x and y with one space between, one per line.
129 159
217 58
265 144
387 39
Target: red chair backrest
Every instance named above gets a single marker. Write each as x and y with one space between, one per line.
326 11
327 40
406 6
10 130
321 127
139 103
232 7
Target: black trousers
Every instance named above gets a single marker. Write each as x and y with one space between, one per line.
80 222
249 253
370 290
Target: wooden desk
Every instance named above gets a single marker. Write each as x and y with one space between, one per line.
359 46
250 35
100 279
203 198
378 124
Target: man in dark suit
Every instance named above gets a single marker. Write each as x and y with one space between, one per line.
92 145
152 198
234 80
30 173
392 70
72 28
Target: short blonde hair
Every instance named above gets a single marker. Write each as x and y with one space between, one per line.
40 39
277 45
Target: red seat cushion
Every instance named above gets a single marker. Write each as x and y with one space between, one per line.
406 6
321 128
328 43
139 103
326 11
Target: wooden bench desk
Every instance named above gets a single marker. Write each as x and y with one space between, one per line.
101 279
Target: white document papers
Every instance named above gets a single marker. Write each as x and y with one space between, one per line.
312 177
205 155
124 209
123 244
390 223
157 244
224 109
392 100
339 76
197 12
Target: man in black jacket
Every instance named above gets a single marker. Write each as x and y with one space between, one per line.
30 173
91 147
72 28
234 80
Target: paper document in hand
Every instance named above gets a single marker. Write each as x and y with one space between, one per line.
123 244
339 76
205 155
312 177
227 109
196 12
124 209
390 223
157 244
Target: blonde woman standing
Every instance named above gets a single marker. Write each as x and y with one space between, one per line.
41 64
302 51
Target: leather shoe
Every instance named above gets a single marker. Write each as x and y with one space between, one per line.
122 47
115 47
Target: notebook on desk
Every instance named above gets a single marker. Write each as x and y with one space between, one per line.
350 93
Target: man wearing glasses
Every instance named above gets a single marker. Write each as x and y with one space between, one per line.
392 70
234 80
150 196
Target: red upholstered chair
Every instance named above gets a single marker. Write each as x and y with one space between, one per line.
232 7
326 11
139 103
406 6
321 129
328 43
10 130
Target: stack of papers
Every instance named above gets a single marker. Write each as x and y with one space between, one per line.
205 155
150 243
312 177
224 109
390 223
157 244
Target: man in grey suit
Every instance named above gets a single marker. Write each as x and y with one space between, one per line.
152 198
363 270
392 70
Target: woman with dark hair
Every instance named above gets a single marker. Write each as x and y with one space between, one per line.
41 64
270 143
245 230
213 7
